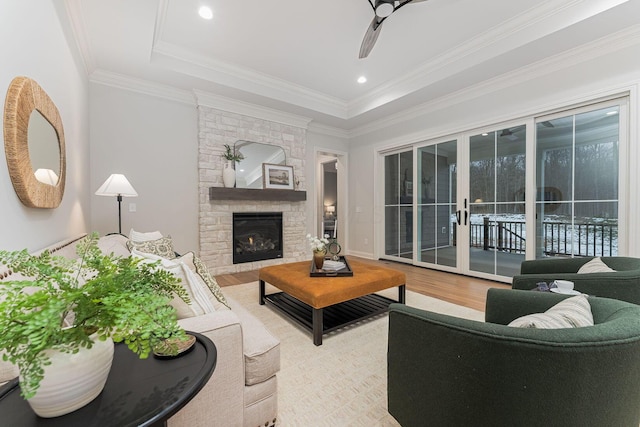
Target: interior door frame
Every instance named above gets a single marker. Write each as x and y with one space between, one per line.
342 158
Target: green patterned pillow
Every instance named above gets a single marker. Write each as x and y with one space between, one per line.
162 247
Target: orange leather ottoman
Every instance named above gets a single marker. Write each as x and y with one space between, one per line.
324 304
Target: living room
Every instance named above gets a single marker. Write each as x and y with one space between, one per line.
119 127
116 122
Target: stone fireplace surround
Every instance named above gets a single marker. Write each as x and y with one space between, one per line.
218 127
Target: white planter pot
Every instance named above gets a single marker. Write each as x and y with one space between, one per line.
229 174
72 380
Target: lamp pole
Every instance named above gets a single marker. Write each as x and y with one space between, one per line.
120 213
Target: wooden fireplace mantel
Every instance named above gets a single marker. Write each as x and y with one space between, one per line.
224 193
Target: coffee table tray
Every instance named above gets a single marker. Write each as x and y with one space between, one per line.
345 272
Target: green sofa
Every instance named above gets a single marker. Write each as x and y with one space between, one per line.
447 371
623 284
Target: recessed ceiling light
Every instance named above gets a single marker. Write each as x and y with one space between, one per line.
205 12
362 79
485 134
611 113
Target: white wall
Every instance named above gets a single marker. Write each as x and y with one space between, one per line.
34 45
153 141
545 88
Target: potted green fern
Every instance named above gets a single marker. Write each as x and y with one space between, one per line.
68 306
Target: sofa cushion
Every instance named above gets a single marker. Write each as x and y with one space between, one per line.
202 300
596 265
261 349
162 247
138 236
572 312
203 272
115 244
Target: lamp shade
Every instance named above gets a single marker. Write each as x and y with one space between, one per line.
331 209
117 185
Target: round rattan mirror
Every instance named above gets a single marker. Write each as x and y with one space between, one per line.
24 97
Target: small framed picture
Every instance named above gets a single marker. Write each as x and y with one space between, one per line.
277 176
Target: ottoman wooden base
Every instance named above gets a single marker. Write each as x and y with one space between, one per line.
324 304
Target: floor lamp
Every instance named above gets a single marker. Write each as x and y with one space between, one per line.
117 185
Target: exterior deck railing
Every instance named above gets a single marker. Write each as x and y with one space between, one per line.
589 239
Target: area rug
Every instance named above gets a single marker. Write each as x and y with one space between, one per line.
343 382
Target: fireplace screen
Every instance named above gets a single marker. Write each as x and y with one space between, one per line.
257 236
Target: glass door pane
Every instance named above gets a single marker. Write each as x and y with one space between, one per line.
398 176
577 182
497 173
436 193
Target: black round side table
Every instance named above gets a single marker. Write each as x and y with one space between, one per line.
138 392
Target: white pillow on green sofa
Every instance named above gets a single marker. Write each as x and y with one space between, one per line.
574 312
596 265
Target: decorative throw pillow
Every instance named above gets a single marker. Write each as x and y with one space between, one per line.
596 265
115 244
138 236
201 298
574 312
162 247
203 272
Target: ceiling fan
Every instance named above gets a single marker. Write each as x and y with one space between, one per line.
382 9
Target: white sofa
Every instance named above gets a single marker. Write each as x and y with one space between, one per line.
243 388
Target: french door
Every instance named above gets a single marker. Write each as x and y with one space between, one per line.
578 170
460 208
496 189
482 202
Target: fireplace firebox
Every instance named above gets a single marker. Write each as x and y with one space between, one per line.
256 236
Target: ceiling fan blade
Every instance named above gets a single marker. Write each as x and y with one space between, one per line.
370 37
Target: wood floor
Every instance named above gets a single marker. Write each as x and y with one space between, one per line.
462 290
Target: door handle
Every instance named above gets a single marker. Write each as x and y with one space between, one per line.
466 214
458 217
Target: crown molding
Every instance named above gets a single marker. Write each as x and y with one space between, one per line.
230 105
181 60
323 129
77 25
120 81
614 42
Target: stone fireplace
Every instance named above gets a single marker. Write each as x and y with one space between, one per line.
217 127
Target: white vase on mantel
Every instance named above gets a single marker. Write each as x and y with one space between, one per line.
229 174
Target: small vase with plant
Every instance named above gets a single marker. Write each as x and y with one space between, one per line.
64 306
319 248
229 172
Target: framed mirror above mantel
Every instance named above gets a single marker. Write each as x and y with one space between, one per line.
250 169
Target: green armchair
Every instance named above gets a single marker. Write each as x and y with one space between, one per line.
447 371
623 284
